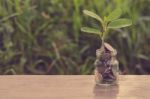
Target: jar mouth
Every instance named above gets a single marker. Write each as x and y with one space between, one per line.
107 49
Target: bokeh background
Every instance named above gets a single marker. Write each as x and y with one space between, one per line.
44 37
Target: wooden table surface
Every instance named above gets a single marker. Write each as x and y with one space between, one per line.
72 87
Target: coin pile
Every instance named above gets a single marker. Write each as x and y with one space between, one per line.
105 64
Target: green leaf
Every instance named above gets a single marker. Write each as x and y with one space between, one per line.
93 15
119 23
90 30
114 15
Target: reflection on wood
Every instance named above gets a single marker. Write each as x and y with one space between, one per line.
105 92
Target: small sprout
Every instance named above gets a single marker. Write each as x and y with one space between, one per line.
112 21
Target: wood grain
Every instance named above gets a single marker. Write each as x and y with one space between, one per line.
72 87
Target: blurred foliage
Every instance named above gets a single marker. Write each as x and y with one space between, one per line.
44 37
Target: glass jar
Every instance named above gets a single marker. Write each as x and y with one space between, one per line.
106 66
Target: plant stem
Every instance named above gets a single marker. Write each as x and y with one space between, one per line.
104 32
105 29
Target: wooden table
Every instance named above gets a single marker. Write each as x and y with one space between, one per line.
72 87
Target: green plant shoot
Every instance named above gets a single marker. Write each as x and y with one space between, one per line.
112 21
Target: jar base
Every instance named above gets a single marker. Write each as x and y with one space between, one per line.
104 83
107 84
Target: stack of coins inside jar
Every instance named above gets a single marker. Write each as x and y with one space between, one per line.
106 70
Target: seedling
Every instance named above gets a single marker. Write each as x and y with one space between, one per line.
112 21
106 63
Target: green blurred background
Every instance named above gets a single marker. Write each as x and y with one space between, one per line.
44 37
